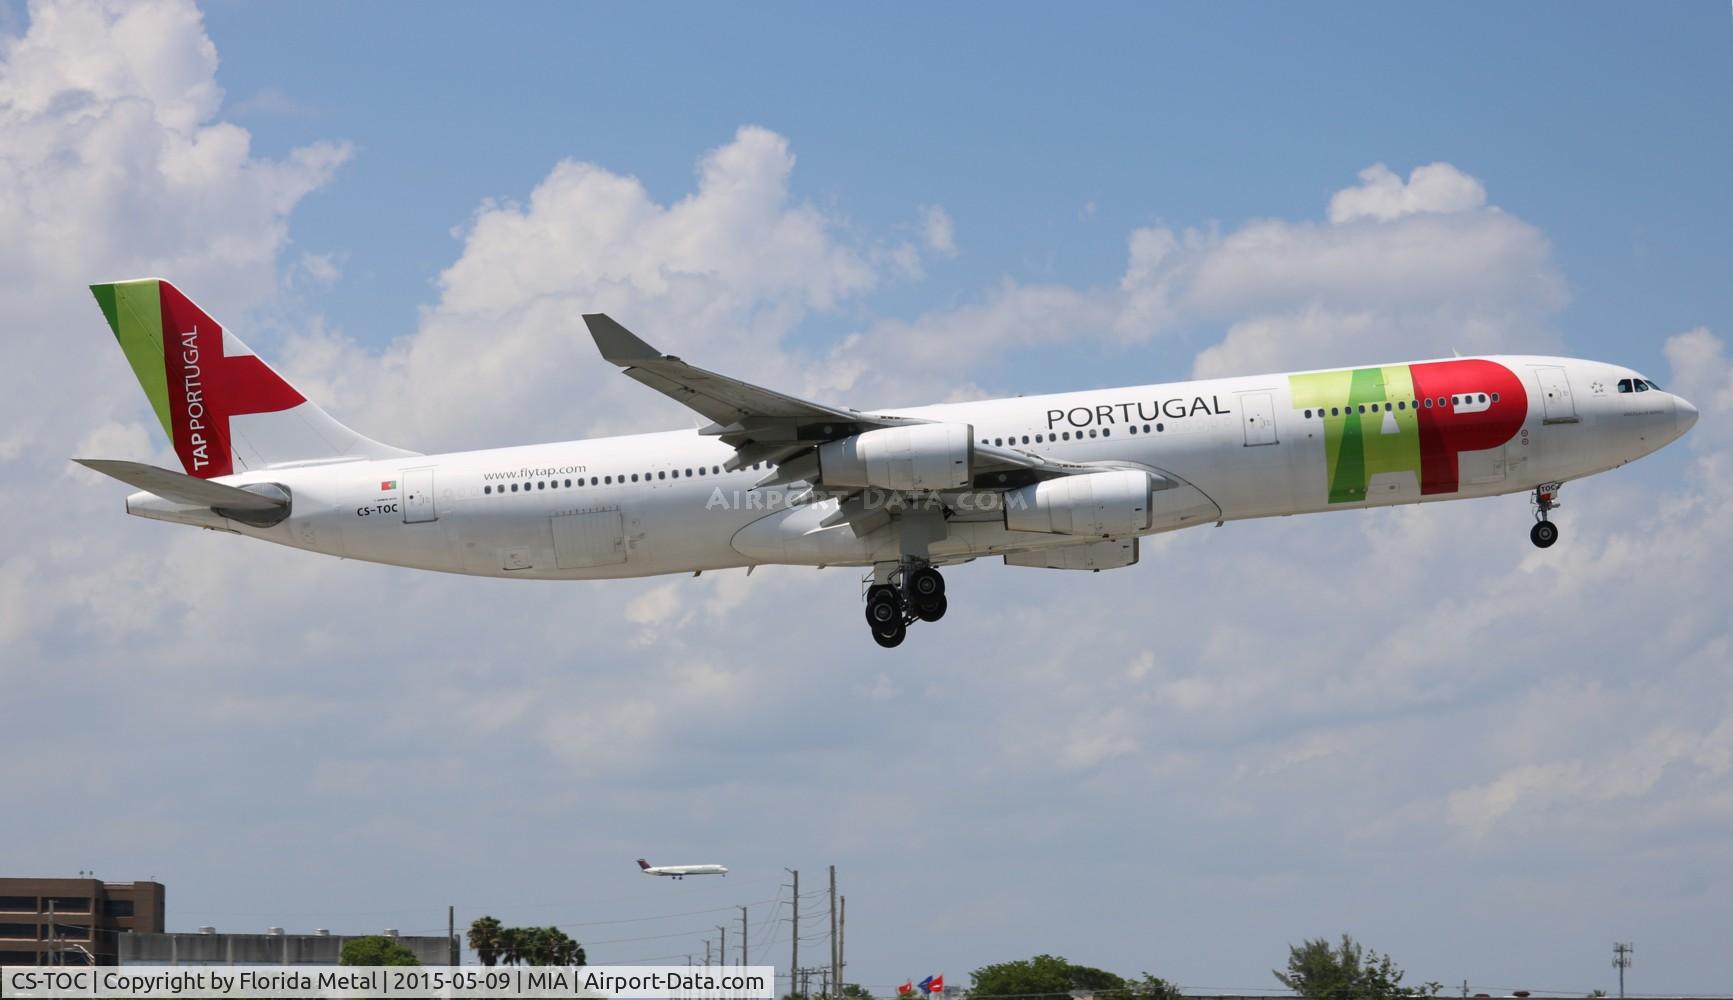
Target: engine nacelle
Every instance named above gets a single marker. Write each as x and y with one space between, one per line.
916 457
1107 504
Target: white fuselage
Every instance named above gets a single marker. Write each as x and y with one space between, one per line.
1242 447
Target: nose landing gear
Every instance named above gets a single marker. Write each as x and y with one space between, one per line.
1545 498
913 592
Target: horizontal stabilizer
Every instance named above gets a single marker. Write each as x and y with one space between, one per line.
181 488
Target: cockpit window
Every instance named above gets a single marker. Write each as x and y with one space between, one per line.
1641 385
1652 384
1625 385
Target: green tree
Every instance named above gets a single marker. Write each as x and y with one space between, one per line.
1045 977
549 946
513 944
1151 988
376 949
484 939
1347 972
537 946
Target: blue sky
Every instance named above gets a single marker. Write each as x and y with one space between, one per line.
1604 125
1404 724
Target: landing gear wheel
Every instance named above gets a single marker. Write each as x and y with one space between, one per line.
925 584
883 607
891 634
931 611
1543 534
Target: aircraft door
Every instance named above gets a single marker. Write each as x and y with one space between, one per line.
1258 415
1555 396
417 486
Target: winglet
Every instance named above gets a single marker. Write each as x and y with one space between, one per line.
618 344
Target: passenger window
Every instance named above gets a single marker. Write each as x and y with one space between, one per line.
1308 414
542 485
1146 428
998 441
487 489
634 477
1132 429
514 487
1092 432
1160 427
1429 402
1483 397
1362 407
1402 404
1066 435
1025 439
1037 439
1495 397
1106 432
661 475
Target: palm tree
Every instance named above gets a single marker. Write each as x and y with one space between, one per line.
514 945
486 938
562 950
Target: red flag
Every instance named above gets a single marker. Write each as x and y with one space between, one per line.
907 987
938 984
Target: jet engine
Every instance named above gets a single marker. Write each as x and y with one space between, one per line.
1107 504
916 457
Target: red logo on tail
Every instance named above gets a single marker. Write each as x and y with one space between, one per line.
206 388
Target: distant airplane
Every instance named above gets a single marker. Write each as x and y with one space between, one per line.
680 871
1068 481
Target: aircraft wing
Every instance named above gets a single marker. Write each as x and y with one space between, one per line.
181 488
763 425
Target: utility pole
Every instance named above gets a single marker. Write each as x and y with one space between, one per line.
722 949
451 933
743 936
1622 952
835 955
794 939
841 939
706 952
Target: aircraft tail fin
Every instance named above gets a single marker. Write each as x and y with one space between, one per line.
224 409
643 864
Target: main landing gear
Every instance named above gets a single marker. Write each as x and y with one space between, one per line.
1545 498
916 592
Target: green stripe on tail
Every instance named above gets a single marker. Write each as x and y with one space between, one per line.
134 313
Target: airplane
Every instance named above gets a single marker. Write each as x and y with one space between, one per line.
1068 481
680 871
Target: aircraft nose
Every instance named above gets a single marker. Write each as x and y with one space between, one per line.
1684 413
